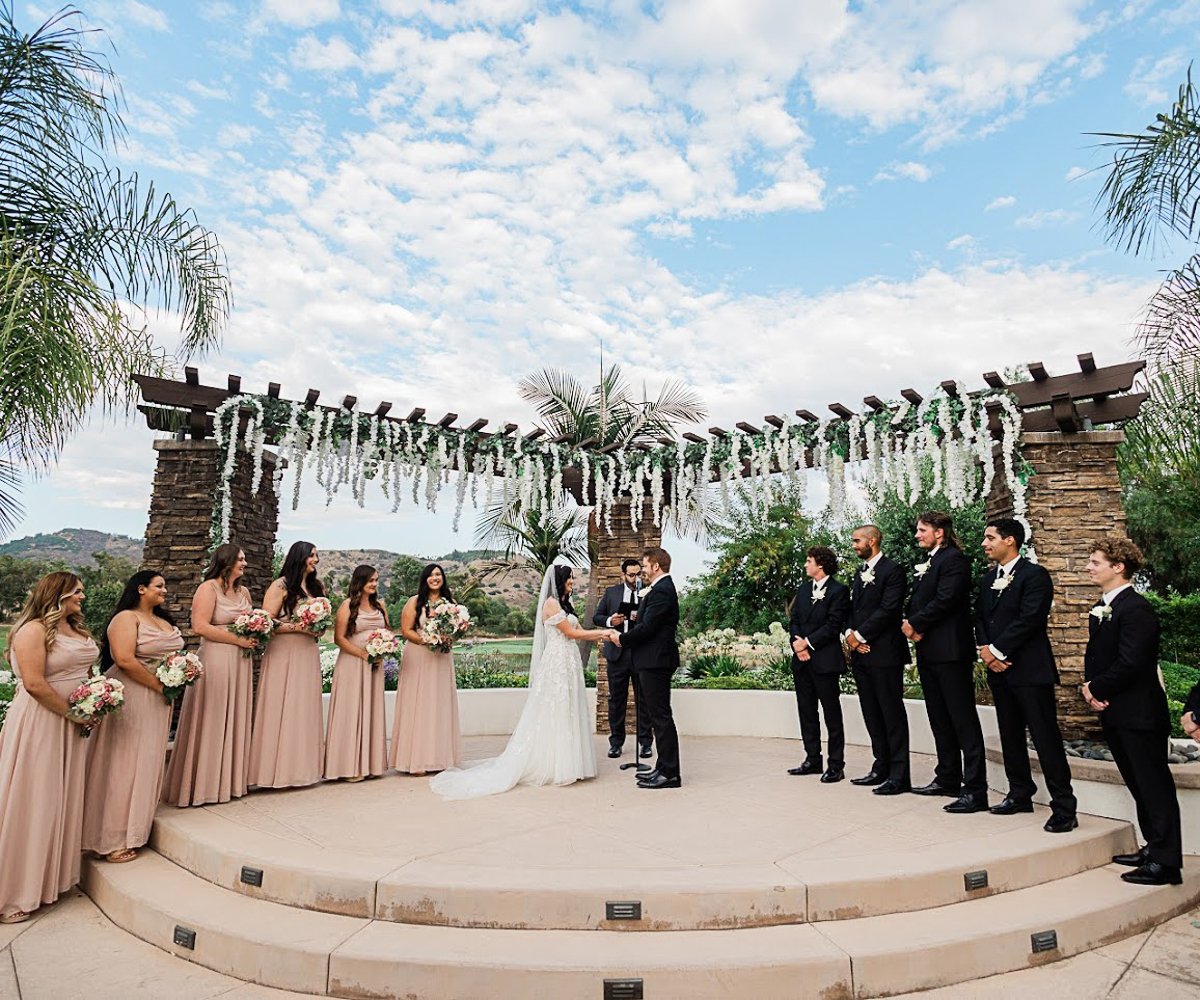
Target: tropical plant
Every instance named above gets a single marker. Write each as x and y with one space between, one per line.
527 536
84 250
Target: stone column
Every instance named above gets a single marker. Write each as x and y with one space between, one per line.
178 535
624 542
1074 499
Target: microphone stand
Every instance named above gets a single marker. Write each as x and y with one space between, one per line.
636 763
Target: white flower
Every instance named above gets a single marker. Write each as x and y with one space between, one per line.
867 576
920 569
643 592
1102 613
818 595
1002 582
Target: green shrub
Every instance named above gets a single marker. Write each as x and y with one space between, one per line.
474 678
1179 680
1180 618
721 665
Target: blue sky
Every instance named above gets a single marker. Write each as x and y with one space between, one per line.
784 203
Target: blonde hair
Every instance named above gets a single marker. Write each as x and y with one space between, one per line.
45 606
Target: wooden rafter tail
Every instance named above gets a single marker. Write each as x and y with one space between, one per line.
191 375
608 449
912 396
415 416
949 387
382 409
874 403
273 390
774 420
747 428
666 441
536 433
507 429
1065 413
808 416
693 438
717 432
235 384
994 380
842 411
561 439
1087 363
349 402
447 420
478 425
310 399
1037 371
588 443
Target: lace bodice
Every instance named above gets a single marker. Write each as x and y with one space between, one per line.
553 632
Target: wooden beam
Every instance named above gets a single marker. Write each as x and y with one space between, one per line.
1110 381
774 421
912 396
718 432
478 425
589 442
1038 371
505 430
1066 416
198 423
874 402
561 439
417 413
746 428
665 440
534 434
382 409
273 390
349 402
447 420
1115 410
694 438
608 449
191 376
235 384
1087 363
949 387
993 380
842 411
808 415
310 399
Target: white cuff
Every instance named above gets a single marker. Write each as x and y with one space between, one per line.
608 622
996 653
859 636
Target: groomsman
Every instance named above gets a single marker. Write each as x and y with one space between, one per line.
820 611
1190 720
609 614
1120 670
1011 618
878 655
939 624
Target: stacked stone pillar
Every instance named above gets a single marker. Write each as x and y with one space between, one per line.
178 533
1074 499
607 553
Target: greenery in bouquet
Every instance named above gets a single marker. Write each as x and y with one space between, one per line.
95 698
443 624
314 614
256 625
177 671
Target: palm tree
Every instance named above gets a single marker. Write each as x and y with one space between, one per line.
83 250
1152 193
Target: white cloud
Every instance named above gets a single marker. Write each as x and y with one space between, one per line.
1076 172
207 92
1003 201
1155 82
332 55
964 242
910 170
1043 218
301 13
233 135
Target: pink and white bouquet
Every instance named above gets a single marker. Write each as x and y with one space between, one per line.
177 671
381 644
314 614
444 624
95 698
256 625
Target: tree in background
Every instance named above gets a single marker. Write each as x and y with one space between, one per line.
102 586
81 247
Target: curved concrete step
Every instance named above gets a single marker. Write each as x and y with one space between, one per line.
794 889
315 952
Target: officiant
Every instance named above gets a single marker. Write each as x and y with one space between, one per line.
617 609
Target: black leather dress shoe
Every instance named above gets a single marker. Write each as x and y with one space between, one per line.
1152 873
645 752
644 776
614 752
934 788
1009 806
1060 824
808 767
662 781
831 776
870 778
967 804
1134 860
890 787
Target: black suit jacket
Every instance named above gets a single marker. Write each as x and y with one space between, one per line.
821 623
939 609
1193 703
1121 665
610 604
876 610
651 639
1014 621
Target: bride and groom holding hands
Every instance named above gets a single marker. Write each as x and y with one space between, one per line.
552 741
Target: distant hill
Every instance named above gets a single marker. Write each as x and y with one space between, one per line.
74 547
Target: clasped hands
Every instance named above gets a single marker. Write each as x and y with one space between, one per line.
993 662
856 645
802 650
1190 727
910 632
1094 703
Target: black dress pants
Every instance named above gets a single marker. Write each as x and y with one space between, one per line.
619 673
881 696
813 690
950 703
1141 757
1032 707
655 687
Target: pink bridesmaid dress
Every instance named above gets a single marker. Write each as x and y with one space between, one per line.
125 760
425 733
42 762
356 737
208 763
285 749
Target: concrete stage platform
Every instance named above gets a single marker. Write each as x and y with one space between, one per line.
750 883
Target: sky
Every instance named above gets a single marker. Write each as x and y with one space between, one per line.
784 204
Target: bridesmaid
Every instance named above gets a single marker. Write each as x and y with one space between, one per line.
42 757
356 739
425 735
285 750
208 763
125 760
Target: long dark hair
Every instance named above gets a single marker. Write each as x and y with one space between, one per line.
221 563
423 590
129 599
937 519
296 578
561 575
359 579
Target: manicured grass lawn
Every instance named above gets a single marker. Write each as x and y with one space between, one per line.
519 645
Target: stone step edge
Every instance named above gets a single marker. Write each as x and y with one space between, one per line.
427 892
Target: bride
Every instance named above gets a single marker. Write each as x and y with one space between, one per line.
552 742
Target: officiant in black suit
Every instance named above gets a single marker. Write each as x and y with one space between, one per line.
819 614
618 609
1121 682
1011 617
878 655
939 624
655 658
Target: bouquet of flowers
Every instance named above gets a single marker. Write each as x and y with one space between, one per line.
93 699
443 624
314 614
381 644
177 671
256 625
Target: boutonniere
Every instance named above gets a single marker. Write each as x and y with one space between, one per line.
920 569
867 576
818 595
1101 612
1001 582
643 592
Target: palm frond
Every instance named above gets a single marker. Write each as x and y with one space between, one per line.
1153 188
10 507
1170 329
1164 441
561 399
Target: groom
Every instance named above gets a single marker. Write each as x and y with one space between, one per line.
655 654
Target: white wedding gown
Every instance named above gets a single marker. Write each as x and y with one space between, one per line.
552 742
